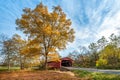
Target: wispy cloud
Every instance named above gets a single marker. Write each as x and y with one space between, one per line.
91 19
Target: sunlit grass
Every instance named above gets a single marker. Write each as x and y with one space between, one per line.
5 68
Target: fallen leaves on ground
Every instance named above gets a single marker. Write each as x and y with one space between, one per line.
36 75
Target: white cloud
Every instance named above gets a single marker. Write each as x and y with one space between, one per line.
110 25
103 21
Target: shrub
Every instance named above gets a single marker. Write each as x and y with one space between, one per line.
101 63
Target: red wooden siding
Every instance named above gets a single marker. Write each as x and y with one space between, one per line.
67 62
54 64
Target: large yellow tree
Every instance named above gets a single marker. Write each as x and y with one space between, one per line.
51 30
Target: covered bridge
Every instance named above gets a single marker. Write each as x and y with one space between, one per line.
66 62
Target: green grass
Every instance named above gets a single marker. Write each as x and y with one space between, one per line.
96 75
4 68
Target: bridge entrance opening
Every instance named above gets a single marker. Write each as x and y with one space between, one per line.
66 63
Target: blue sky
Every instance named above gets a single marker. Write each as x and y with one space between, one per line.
91 19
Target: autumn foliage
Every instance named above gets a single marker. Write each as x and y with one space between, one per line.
49 31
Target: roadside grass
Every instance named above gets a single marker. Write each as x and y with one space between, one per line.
95 75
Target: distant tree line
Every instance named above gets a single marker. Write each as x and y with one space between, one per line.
15 51
105 53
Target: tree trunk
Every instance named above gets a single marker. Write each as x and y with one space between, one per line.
8 64
45 65
21 64
8 61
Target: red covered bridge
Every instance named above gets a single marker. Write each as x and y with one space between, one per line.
67 62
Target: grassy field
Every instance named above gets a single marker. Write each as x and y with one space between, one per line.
95 75
11 68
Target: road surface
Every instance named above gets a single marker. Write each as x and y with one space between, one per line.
95 70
